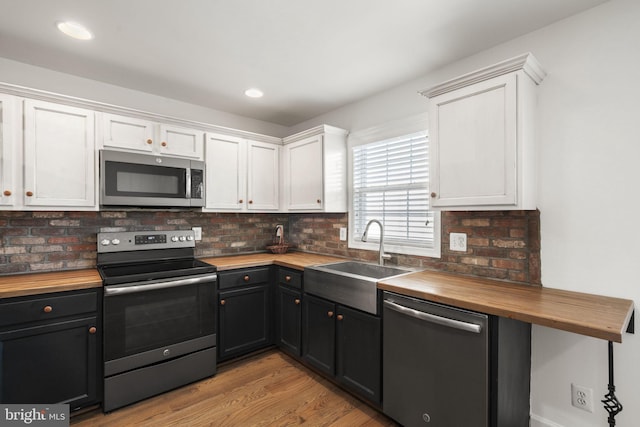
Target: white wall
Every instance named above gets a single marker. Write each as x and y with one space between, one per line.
30 76
589 139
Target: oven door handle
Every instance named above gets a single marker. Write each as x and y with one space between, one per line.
131 289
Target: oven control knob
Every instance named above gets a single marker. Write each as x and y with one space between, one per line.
105 242
174 238
189 238
182 238
115 241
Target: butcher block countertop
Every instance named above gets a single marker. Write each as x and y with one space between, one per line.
295 260
44 283
586 314
592 315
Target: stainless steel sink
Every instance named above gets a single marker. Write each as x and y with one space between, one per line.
351 283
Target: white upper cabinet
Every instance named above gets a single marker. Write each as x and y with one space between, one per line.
314 166
242 175
9 142
59 156
481 138
129 133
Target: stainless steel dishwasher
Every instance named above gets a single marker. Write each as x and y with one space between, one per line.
435 364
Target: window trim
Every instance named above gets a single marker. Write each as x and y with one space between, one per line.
389 130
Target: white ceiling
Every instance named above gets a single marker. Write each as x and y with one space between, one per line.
308 56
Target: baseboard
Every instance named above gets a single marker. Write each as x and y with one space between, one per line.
538 421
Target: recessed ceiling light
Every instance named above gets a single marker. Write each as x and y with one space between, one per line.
253 93
75 30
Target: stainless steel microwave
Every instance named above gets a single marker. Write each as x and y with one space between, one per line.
145 180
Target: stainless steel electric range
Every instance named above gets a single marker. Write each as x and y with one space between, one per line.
159 314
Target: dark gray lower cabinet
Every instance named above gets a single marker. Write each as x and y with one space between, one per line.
343 343
49 349
289 311
244 312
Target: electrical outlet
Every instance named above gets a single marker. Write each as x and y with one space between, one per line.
458 242
197 231
279 229
343 233
582 397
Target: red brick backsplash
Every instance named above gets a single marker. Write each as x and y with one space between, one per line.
48 241
501 244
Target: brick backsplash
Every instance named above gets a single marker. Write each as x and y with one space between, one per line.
501 244
48 241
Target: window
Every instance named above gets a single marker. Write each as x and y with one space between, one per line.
390 183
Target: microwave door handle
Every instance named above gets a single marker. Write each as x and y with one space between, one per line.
132 289
188 183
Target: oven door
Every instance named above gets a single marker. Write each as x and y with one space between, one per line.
157 321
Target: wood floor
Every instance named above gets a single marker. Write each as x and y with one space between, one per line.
269 389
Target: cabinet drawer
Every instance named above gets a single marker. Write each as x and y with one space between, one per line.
240 278
45 308
290 278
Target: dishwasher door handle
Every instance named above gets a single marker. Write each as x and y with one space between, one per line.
444 321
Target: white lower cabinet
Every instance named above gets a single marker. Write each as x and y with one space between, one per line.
242 175
59 156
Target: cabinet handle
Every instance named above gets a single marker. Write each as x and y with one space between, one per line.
330 313
287 278
7 193
29 193
222 302
92 330
433 194
240 201
247 278
47 309
339 317
319 201
250 202
164 144
149 141
297 301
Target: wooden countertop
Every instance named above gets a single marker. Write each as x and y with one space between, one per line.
587 314
592 315
43 283
296 260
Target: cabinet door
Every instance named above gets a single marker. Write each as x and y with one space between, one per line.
319 333
244 321
289 320
54 363
179 141
262 176
226 172
473 144
303 168
127 132
59 156
9 142
358 352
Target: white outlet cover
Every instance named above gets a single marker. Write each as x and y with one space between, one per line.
197 231
458 242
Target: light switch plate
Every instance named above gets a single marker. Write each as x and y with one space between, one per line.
458 242
343 233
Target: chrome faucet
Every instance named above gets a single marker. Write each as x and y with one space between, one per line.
381 255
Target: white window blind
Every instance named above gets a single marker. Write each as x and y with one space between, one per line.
391 184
